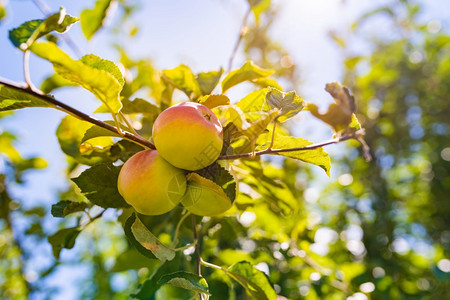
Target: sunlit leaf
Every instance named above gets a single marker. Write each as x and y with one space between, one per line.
267 82
253 280
92 19
212 101
150 242
53 82
316 156
11 99
70 133
339 114
289 104
208 81
96 62
30 31
92 77
258 7
254 101
183 79
249 71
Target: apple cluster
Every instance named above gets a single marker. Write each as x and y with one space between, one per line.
188 137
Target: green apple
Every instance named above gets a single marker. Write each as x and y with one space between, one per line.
188 135
150 184
204 197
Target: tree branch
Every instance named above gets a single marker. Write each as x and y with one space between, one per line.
355 135
68 109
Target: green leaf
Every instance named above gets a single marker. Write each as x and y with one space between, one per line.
95 77
148 241
139 105
267 82
99 185
64 238
212 101
340 114
289 104
131 259
70 133
253 280
260 120
150 286
220 176
255 101
130 236
96 131
183 79
186 280
30 31
125 149
53 82
11 99
92 19
316 156
102 64
249 71
65 207
207 81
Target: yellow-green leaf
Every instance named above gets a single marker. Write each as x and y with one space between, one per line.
316 156
94 78
92 19
11 99
249 71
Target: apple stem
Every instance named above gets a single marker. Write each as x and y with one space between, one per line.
356 135
80 115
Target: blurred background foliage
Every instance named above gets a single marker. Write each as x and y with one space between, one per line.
380 232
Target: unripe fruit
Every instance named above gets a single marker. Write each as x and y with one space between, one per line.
188 135
150 184
205 198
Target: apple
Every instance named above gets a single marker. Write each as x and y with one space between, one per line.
188 135
204 197
150 184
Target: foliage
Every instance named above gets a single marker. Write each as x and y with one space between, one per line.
264 246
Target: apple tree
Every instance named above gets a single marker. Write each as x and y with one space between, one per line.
201 186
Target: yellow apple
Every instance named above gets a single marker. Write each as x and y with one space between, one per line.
188 135
204 197
150 184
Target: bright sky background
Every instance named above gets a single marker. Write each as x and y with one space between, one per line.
199 33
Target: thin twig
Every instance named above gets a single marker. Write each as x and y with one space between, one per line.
242 32
26 70
177 229
70 110
125 119
336 140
